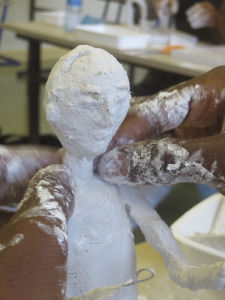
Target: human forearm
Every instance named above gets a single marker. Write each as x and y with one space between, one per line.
17 166
33 244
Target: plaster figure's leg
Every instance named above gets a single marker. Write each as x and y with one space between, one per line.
159 236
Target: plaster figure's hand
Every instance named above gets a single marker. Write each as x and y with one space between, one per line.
166 7
33 245
192 115
202 14
17 166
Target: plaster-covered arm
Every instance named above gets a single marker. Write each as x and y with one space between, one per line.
167 161
33 244
159 236
17 166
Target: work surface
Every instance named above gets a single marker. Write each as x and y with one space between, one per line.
161 287
146 58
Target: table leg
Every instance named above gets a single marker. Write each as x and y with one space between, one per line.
33 89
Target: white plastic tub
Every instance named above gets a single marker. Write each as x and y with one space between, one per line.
198 219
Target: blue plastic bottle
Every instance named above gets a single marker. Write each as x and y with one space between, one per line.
73 14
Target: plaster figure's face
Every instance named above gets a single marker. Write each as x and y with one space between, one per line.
87 98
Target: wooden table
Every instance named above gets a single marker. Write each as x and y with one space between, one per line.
161 287
37 33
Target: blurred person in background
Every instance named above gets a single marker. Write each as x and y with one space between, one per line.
204 19
201 18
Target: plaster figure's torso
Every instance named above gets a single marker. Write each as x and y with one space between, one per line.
101 249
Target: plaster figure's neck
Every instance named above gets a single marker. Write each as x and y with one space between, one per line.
82 170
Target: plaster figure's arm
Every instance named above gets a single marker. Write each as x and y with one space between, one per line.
159 236
17 166
33 244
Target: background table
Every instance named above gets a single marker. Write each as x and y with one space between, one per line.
37 33
161 287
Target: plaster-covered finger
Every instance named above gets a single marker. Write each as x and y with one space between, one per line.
194 9
167 109
202 15
199 23
114 166
199 20
134 128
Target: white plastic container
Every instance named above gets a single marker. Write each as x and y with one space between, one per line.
116 36
56 18
198 219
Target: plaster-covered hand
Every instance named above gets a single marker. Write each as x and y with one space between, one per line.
17 166
166 7
33 245
194 109
202 14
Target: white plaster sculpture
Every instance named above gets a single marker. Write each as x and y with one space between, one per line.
87 98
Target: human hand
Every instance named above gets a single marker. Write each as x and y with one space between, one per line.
165 7
193 109
202 14
17 166
33 245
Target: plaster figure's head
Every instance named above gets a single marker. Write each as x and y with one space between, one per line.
87 98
